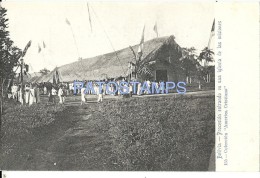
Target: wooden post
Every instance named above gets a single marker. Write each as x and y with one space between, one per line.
22 87
2 95
1 110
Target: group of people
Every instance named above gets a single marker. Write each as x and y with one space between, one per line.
59 91
126 90
32 91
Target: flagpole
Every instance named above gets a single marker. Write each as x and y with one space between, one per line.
210 37
79 57
108 39
155 29
89 18
74 40
211 33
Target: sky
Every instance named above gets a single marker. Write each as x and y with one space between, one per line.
120 22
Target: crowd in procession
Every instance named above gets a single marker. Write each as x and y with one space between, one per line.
32 91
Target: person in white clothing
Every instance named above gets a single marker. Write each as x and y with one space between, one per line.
31 95
130 90
139 88
27 93
44 90
14 91
100 94
149 86
61 95
83 99
53 94
20 98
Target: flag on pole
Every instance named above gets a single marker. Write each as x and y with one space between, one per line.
43 44
213 28
39 48
212 33
67 21
155 29
54 79
57 77
26 47
141 45
89 18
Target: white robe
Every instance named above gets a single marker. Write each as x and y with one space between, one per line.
27 94
31 96
83 95
60 94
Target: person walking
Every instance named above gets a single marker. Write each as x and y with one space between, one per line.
14 90
27 94
31 95
61 95
37 93
83 99
100 94
52 95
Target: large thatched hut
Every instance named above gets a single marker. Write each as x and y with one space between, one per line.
160 61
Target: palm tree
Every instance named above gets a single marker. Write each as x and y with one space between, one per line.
206 56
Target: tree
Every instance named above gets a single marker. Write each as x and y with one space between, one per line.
189 62
44 71
9 56
206 56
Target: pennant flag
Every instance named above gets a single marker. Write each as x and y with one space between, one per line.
67 21
54 79
89 18
57 77
212 33
43 44
26 66
141 45
213 28
133 52
142 38
39 48
155 29
26 48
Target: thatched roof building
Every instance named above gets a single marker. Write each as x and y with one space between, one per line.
161 54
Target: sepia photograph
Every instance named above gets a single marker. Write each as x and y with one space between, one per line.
107 86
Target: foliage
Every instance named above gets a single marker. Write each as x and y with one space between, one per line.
44 71
206 54
9 54
189 61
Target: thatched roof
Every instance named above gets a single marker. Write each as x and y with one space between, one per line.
108 64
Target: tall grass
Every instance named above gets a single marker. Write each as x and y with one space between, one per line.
161 133
19 122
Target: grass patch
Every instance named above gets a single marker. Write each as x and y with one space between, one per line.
18 122
152 134
131 134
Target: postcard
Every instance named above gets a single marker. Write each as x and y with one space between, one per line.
133 88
